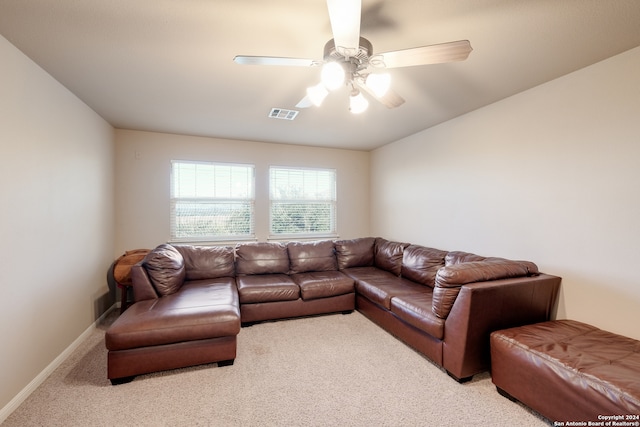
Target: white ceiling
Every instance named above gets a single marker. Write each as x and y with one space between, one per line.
167 65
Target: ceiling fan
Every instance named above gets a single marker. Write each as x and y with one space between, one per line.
349 59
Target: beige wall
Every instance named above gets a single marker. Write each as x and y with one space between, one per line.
550 175
56 222
142 181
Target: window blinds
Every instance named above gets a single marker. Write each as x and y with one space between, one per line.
211 201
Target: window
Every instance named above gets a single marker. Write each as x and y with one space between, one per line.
303 202
211 201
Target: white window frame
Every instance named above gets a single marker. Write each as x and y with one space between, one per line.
325 196
211 187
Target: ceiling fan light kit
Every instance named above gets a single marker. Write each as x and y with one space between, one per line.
357 102
379 83
348 60
342 62
332 75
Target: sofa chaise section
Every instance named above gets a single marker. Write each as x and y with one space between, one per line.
186 312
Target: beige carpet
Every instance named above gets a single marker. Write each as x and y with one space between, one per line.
335 370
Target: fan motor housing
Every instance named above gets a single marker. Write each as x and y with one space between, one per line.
333 52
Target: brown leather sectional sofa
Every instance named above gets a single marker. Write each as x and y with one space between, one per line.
190 301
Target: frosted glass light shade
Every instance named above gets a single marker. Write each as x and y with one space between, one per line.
332 75
378 83
358 103
317 94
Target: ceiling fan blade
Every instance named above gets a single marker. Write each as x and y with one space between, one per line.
274 60
433 54
345 24
304 103
389 99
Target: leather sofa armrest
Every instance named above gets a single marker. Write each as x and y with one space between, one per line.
484 307
143 289
449 279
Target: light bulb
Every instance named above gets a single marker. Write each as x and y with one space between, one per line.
317 94
332 75
357 103
378 83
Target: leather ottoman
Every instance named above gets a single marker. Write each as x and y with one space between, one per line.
569 371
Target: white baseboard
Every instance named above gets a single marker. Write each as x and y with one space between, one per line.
42 376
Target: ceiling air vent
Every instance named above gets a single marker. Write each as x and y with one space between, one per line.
281 113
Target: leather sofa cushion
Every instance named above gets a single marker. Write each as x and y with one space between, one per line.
388 255
262 258
458 257
421 264
266 288
207 262
165 267
323 284
381 286
449 279
355 252
416 310
312 256
201 310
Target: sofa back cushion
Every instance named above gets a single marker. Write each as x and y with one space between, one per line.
165 268
457 257
262 258
355 252
388 255
312 256
421 264
207 262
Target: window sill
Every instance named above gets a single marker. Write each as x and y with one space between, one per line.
305 237
212 242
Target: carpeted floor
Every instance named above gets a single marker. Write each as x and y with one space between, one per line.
335 370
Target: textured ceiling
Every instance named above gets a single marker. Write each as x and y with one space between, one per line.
167 65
